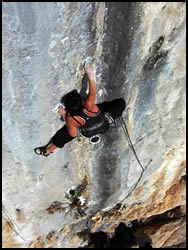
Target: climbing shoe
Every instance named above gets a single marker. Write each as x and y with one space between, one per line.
41 151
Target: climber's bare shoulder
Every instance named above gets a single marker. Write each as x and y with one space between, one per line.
73 125
90 105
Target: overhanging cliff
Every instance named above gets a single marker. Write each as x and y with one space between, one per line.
138 53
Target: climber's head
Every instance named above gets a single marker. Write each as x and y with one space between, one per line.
72 102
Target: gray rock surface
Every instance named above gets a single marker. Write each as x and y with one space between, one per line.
138 52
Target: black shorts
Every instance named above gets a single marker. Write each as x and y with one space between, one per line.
61 137
115 108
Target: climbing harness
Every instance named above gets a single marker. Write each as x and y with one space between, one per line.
94 133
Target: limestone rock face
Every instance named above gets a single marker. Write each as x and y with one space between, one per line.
138 53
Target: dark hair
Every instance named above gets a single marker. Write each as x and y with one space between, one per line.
72 102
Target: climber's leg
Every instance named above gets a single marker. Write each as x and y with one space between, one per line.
60 138
50 149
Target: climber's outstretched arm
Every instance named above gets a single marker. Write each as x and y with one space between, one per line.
90 100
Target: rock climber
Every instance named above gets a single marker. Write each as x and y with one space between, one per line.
82 113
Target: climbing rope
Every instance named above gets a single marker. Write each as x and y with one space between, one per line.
123 125
11 222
